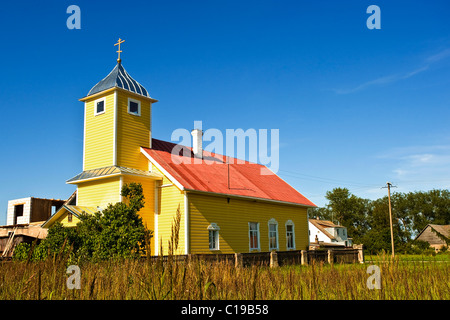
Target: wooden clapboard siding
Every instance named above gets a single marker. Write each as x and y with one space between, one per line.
64 219
99 134
99 192
132 132
169 200
233 216
148 211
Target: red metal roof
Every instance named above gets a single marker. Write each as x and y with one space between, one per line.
213 174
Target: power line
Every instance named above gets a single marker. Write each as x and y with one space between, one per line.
325 180
304 176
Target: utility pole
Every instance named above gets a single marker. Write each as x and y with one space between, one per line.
389 185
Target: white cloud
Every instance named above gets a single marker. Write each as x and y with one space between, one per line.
397 76
420 167
438 56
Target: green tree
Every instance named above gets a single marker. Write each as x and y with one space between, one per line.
346 209
116 232
367 221
429 207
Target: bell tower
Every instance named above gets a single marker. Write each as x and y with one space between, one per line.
117 121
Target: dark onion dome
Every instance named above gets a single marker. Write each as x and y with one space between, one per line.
119 78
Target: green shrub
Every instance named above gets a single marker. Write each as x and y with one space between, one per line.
116 232
21 251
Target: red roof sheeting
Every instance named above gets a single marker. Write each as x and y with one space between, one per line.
213 174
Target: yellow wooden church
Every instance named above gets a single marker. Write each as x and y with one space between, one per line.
225 207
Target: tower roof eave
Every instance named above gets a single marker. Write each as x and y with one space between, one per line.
93 96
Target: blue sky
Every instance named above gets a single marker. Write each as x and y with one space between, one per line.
355 107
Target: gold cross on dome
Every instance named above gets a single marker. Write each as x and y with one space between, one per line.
119 51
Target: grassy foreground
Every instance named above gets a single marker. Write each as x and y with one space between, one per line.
142 279
409 257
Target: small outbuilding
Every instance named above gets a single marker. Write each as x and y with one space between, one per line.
436 235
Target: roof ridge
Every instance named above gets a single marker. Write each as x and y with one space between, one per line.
215 155
205 177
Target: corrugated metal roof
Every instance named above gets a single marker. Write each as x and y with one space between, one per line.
79 210
110 171
120 78
217 175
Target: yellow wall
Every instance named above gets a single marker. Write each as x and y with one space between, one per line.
169 199
99 134
64 220
99 192
233 217
148 212
132 132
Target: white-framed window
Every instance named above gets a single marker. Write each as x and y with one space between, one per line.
253 234
134 107
273 234
290 235
213 231
99 106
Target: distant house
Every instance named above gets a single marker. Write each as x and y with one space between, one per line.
24 221
327 233
28 210
435 235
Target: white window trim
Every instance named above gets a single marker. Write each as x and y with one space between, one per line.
290 223
275 222
250 249
139 107
95 106
214 227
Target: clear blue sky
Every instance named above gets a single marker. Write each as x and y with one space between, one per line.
355 107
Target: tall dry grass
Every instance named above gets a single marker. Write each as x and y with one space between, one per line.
149 279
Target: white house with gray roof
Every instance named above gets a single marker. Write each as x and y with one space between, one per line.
324 231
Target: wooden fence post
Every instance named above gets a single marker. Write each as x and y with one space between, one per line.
360 253
273 259
330 257
238 260
304 259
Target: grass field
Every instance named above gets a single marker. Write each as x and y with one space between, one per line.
142 279
409 257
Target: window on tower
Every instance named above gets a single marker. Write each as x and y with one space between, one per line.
134 107
100 106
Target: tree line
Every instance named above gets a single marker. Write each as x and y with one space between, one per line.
367 221
119 232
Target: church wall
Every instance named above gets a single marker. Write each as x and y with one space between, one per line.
99 192
99 134
133 132
148 211
170 198
233 215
